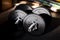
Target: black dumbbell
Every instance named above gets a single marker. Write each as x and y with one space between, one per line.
41 10
16 19
37 22
15 23
44 13
19 13
34 24
30 0
25 7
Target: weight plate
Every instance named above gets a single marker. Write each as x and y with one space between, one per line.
20 14
41 10
24 7
16 25
33 18
17 15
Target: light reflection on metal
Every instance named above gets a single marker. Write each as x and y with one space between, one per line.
22 2
53 9
35 4
32 27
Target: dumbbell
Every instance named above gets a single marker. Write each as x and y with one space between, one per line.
16 18
20 12
44 13
24 7
46 16
30 0
37 22
41 10
34 24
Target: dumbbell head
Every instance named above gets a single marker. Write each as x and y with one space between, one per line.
34 24
24 7
44 13
41 10
16 16
15 22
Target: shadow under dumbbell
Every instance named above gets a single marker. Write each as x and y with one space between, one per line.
11 32
8 31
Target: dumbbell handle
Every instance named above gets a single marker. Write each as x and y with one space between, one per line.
19 19
32 27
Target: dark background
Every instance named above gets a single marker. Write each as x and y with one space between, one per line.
9 32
